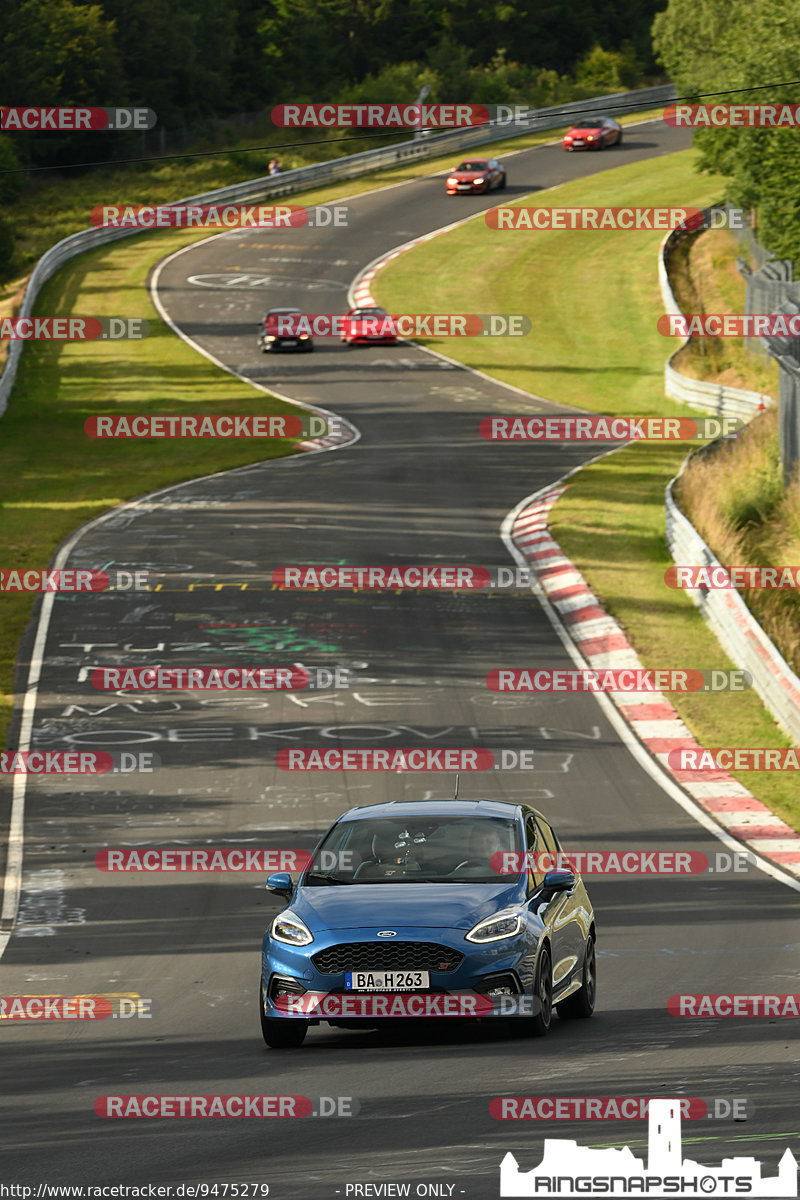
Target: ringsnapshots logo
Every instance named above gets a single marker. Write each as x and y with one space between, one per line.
306 425
75 119
570 1170
664 219
73 329
608 429
222 216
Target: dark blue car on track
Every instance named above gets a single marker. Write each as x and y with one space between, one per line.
429 909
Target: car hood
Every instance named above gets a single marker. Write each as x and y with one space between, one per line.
401 905
468 176
585 131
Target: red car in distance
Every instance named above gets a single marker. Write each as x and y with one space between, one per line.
594 134
476 175
367 325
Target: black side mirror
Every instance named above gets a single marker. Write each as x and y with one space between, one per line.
555 882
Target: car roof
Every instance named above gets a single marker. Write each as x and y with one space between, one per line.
271 311
438 808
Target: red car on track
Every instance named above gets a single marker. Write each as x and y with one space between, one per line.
369 325
594 134
476 175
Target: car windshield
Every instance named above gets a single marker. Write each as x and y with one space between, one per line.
446 849
473 166
369 312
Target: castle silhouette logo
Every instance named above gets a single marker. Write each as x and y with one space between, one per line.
568 1169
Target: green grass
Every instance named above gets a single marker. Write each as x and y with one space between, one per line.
594 301
53 477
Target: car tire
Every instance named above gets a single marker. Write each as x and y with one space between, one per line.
280 1033
619 140
502 182
581 1003
539 1024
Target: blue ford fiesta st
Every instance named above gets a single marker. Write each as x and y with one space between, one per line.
423 908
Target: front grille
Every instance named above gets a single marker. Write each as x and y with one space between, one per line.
382 956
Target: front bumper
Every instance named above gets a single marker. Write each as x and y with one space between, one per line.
509 964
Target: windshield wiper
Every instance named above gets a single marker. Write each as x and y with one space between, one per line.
327 878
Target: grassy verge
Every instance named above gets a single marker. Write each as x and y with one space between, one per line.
594 300
705 279
53 477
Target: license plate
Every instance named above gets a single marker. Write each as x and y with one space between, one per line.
465 187
386 981
577 142
290 341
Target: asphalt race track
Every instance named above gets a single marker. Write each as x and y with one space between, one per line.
419 487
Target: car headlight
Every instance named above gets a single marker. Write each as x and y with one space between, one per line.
268 337
481 180
495 929
287 927
304 337
589 137
452 180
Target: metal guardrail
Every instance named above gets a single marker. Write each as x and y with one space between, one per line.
707 397
734 625
275 186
